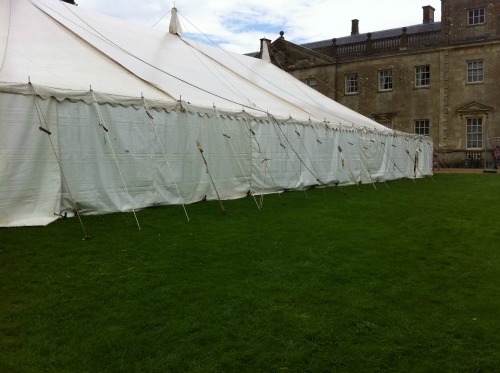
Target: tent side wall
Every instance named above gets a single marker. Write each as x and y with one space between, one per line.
30 179
118 158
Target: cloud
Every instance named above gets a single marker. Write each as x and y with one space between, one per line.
238 25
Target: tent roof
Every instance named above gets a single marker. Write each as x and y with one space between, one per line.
69 50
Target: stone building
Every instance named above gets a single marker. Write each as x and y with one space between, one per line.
439 78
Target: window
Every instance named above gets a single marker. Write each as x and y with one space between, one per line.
351 84
475 17
313 83
422 76
474 133
475 72
386 123
422 127
385 80
386 119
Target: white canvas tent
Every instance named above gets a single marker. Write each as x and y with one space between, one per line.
104 115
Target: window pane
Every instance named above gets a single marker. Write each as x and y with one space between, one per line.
351 83
474 133
422 76
475 16
475 71
385 80
422 127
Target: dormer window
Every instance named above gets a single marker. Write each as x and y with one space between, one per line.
475 17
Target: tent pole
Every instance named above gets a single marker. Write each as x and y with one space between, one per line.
407 152
328 128
297 154
183 109
419 149
382 144
361 147
264 160
47 131
284 147
315 174
344 161
318 143
164 155
210 176
228 138
367 131
102 124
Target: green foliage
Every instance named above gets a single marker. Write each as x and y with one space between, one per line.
402 278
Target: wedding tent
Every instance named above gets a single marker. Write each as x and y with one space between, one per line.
99 115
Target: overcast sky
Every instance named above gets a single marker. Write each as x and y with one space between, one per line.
238 25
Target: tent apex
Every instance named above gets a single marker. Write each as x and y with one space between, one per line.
175 26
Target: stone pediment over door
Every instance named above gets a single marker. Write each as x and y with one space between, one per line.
474 108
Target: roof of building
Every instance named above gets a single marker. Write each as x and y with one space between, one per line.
415 29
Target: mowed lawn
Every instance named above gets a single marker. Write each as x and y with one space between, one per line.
405 278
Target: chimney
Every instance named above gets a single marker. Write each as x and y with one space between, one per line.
264 49
428 14
355 27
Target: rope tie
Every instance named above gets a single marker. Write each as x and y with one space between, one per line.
45 130
103 127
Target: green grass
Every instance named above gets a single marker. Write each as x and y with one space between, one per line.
404 278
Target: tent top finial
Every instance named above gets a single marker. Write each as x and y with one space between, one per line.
175 26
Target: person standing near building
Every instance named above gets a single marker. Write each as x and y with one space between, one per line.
496 156
435 162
